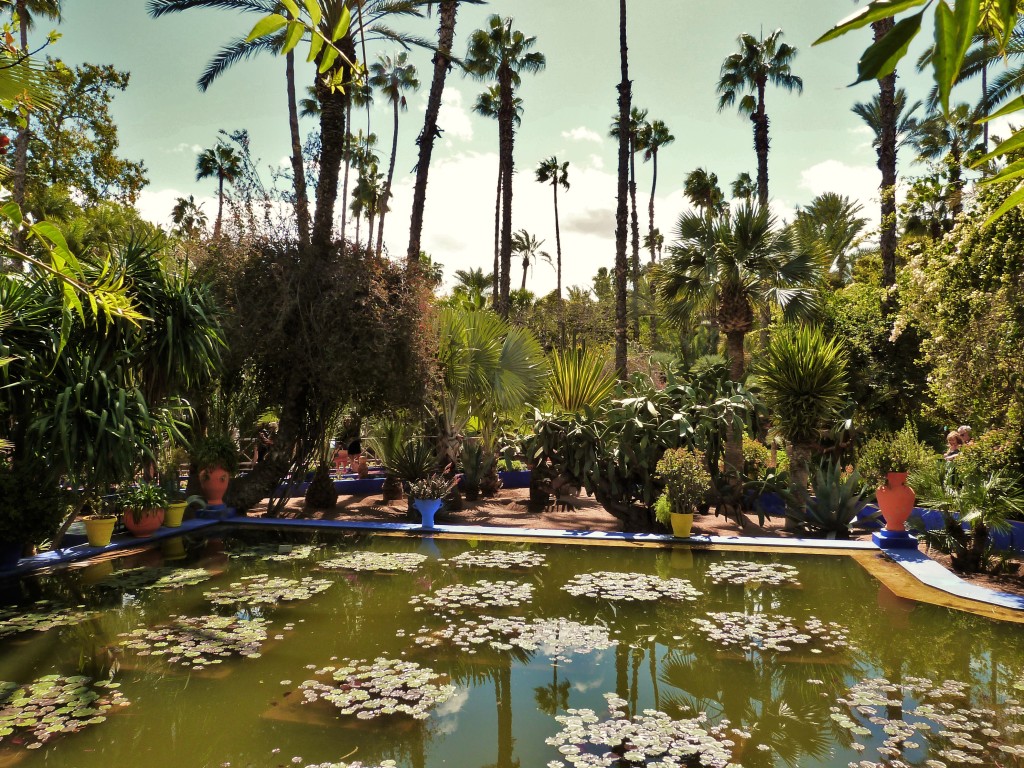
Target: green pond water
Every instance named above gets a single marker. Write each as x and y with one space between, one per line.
870 679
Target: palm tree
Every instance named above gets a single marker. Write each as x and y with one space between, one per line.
745 76
743 187
188 216
393 77
947 138
527 247
730 266
831 220
625 97
362 96
550 172
237 50
701 188
906 121
27 11
488 104
653 137
503 54
447 11
223 163
636 125
472 283
654 241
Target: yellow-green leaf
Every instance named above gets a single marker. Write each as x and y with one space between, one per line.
314 11
314 47
341 28
292 36
292 7
327 60
1009 173
1011 106
1016 141
876 11
953 34
881 57
268 25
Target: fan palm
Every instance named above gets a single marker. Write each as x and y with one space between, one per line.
653 136
527 247
223 163
744 77
503 54
947 137
743 187
701 188
394 77
635 126
802 376
831 220
551 172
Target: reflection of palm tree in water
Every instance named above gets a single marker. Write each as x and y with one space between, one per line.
553 698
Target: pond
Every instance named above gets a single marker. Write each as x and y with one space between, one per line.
285 650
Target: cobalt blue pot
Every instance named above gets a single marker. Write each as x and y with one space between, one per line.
427 509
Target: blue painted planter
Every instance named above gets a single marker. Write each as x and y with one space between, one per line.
518 478
1012 540
427 509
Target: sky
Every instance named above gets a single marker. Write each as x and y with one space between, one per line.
676 48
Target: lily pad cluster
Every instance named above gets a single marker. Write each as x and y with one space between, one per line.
199 641
153 578
378 688
498 559
275 553
482 594
630 587
743 572
263 589
385 764
32 714
376 561
936 715
649 739
556 638
44 615
771 633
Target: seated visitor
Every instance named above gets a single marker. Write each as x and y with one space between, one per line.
964 432
953 445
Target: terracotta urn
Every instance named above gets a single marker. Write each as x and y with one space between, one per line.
896 501
149 520
214 482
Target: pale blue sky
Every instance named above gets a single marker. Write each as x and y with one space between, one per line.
676 50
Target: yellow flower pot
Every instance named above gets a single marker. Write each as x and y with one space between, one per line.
99 530
682 524
174 515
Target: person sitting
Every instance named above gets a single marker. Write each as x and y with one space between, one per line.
964 432
953 445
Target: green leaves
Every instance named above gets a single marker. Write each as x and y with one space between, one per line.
876 11
268 25
954 30
880 59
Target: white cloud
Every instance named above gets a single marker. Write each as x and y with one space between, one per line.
858 182
156 205
582 134
186 148
596 161
453 119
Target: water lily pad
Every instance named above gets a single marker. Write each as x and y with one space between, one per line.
263 589
498 559
482 594
744 572
376 561
556 638
275 553
379 688
771 633
42 616
153 578
630 587
197 641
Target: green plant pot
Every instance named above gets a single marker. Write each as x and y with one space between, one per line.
174 514
99 530
682 524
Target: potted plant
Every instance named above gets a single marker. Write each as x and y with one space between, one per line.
427 495
144 509
216 456
687 481
884 462
31 509
835 503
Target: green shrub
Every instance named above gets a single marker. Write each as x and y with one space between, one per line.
216 451
888 452
686 477
32 505
994 451
756 458
663 509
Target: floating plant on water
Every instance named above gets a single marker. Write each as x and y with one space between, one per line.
376 561
153 578
385 764
499 559
199 641
275 553
266 589
650 739
482 594
771 633
379 688
741 572
46 615
941 723
554 637
630 587
32 714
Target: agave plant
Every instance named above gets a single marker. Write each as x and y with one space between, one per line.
403 456
836 501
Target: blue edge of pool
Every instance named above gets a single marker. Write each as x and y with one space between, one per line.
919 565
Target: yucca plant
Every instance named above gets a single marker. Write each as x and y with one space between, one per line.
578 381
835 502
403 457
802 379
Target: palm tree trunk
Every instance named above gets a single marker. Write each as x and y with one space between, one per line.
220 205
650 235
956 182
506 130
371 215
526 266
620 208
298 172
887 164
558 239
20 182
442 63
634 264
760 119
348 164
984 105
385 200
496 274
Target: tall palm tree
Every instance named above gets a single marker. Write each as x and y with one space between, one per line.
472 283
906 119
503 54
27 11
831 220
729 267
188 216
743 187
625 97
488 104
635 126
947 138
223 163
654 241
527 247
701 188
237 50
744 77
653 137
551 172
394 77
447 12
